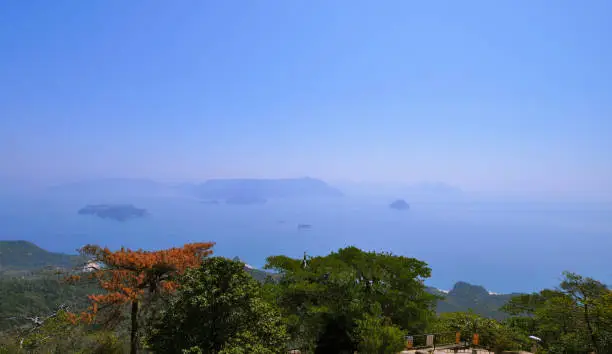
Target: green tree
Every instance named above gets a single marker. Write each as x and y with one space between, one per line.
493 334
576 318
35 295
56 334
136 277
589 296
322 298
218 308
376 334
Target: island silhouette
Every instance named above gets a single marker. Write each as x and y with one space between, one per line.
399 204
118 212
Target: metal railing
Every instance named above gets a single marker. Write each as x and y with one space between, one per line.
434 340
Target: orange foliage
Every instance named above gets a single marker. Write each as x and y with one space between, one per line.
127 275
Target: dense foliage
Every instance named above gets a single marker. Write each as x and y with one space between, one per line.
219 309
33 295
492 334
375 334
575 318
136 278
322 298
347 301
56 334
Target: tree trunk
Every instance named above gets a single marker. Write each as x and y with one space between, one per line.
590 328
134 329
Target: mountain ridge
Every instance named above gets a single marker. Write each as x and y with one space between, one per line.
20 255
218 188
465 297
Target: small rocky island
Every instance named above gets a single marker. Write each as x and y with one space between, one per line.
304 227
118 212
399 204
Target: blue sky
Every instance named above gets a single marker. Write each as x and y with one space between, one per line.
488 95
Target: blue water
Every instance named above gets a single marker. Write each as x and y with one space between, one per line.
502 246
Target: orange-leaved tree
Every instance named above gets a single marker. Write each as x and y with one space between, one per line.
130 277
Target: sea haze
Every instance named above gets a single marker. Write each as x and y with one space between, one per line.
506 247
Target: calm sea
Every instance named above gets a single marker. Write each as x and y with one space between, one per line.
502 246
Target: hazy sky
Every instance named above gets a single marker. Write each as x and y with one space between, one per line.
487 95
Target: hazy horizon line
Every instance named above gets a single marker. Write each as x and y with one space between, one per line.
342 184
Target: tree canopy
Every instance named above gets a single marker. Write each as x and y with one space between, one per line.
346 301
323 297
575 318
219 308
129 276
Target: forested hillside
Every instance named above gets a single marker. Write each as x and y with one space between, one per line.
464 297
37 295
186 300
25 256
26 259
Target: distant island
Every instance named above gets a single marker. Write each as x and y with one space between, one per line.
264 189
118 212
304 226
235 190
399 204
245 200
